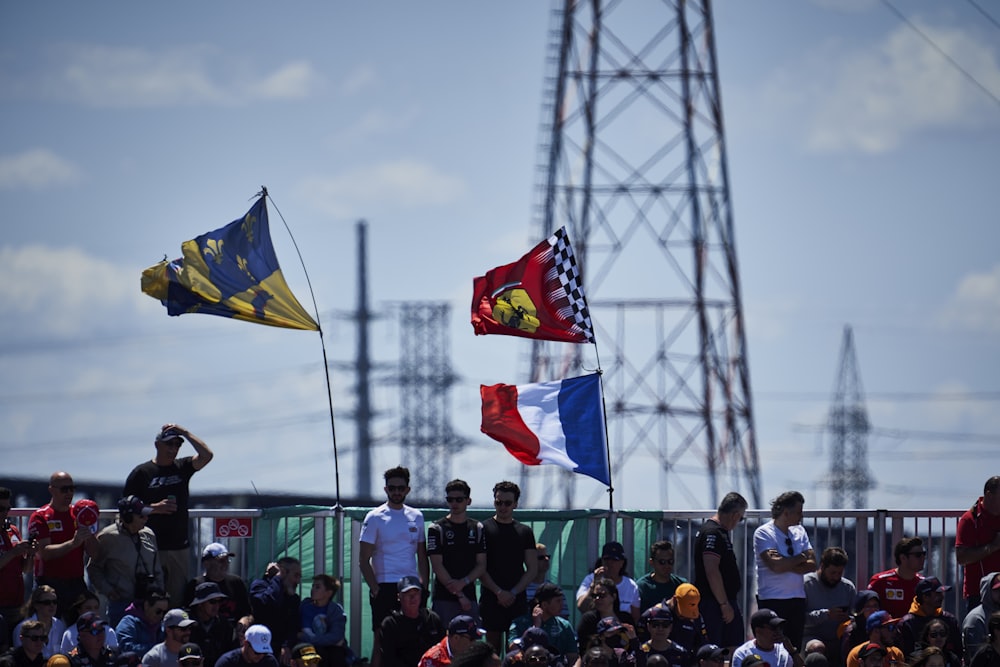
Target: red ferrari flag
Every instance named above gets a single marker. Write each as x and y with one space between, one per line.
538 296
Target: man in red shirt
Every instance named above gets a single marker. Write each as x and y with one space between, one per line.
463 631
977 540
897 587
61 543
15 558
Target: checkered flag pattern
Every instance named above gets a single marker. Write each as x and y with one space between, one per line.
569 277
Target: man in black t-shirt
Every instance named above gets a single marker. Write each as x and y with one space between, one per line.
717 573
456 546
163 485
511 563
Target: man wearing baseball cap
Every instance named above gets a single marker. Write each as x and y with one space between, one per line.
305 655
882 632
162 484
410 630
215 561
545 607
91 648
659 620
463 631
927 605
211 632
255 652
177 632
711 655
769 643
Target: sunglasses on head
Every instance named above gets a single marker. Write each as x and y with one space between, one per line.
503 503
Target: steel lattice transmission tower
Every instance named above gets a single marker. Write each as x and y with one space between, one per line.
633 163
425 381
848 427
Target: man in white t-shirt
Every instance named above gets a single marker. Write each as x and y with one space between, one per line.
769 644
392 546
784 556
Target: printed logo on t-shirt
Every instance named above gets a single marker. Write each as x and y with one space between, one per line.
166 480
894 594
55 525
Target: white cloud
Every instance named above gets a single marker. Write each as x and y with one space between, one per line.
127 77
375 123
975 304
359 80
876 97
61 291
404 182
36 169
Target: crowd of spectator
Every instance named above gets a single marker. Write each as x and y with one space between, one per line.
467 592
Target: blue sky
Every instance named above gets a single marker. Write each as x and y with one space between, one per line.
863 173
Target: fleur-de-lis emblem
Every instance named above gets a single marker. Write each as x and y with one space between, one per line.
249 221
213 250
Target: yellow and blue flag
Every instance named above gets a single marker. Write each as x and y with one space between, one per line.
231 272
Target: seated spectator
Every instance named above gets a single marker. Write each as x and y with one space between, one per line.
91 650
598 656
896 587
814 654
617 636
658 621
689 627
881 632
305 655
215 561
604 596
929 657
41 607
256 650
212 633
935 634
989 654
86 602
480 654
873 655
463 631
29 654
275 602
661 583
323 622
974 627
855 631
829 598
177 632
542 575
612 565
712 655
769 645
141 628
927 605
518 645
190 655
545 607
410 630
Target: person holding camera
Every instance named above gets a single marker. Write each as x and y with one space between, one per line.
162 484
127 563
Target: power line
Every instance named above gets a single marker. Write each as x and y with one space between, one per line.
884 396
942 52
983 12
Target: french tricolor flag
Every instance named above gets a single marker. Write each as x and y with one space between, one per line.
558 423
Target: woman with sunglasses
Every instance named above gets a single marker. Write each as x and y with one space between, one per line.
614 565
935 633
142 626
86 602
41 607
604 595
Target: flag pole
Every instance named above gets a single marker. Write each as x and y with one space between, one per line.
326 366
607 438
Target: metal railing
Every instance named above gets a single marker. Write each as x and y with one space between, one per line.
324 541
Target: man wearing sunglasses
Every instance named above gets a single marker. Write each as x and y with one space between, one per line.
511 563
29 653
897 587
661 583
62 544
927 604
91 648
456 546
784 556
163 484
392 546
